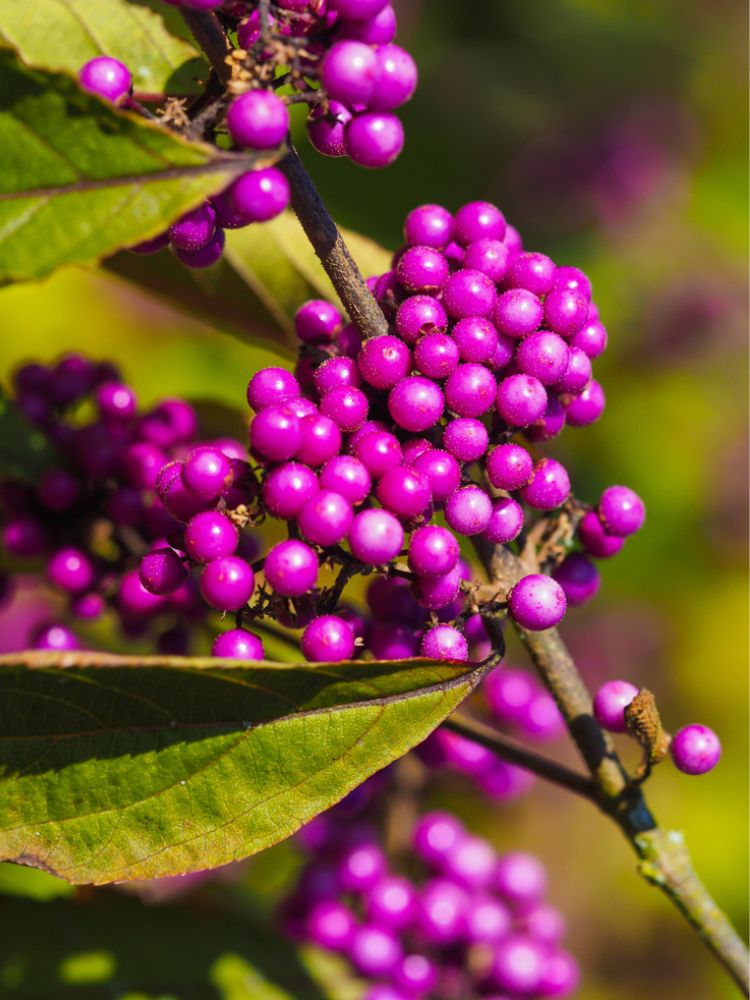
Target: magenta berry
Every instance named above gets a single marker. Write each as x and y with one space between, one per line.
194 229
518 965
347 407
107 77
271 387
436 355
291 568
532 271
320 437
348 476
238 644
537 602
416 404
548 487
466 439
162 571
348 72
579 578
469 293
521 400
317 322
418 315
395 78
384 361
544 355
286 490
422 269
325 518
587 407
261 195
621 511
404 491
328 639
374 139
433 551
258 120
595 539
577 373
378 451
509 466
442 471
518 312
437 592
476 339
470 390
325 129
565 310
376 537
444 643
489 256
478 220
206 473
468 510
275 433
506 521
695 749
610 703
429 226
227 584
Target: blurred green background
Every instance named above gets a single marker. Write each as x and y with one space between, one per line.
613 134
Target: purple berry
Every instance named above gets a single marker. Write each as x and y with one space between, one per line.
595 539
621 511
610 703
518 965
238 644
261 195
544 355
428 226
444 643
325 128
532 271
194 229
325 518
537 602
436 355
435 835
391 902
574 279
472 862
469 293
491 257
404 492
505 523
286 490
695 749
422 269
317 322
395 78
134 600
416 404
465 438
389 641
58 638
478 220
162 571
560 975
336 372
227 584
468 510
548 487
206 473
207 255
476 339
384 361
71 570
375 951
376 537
348 476
521 400
346 407
518 313
520 878
107 77
348 72
545 923
328 639
320 438
443 910
291 568
442 471
586 408
271 387
436 592
417 975
577 372
275 433
331 925
509 466
433 551
591 339
565 310
116 401
374 139
258 119
418 315
488 921
579 578
378 451
470 390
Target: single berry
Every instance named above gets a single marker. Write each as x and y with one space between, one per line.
107 77
621 511
326 518
416 404
587 407
505 523
468 510
521 400
227 584
422 269
610 703
328 639
375 537
429 226
444 643
470 390
695 749
433 551
469 293
384 361
317 322
271 387
548 487
404 492
374 139
509 466
291 568
162 571
195 229
258 119
238 644
210 535
537 602
348 476
261 195
595 539
579 578
478 220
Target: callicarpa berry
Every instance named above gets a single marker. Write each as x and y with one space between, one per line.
433 551
422 269
470 390
416 404
378 451
374 139
107 77
505 523
162 571
348 476
478 220
291 568
227 584
325 128
429 226
436 355
695 749
442 471
548 487
261 195
317 322
444 643
384 361
587 407
405 492
579 578
509 467
334 373
610 702
238 644
258 119
521 400
194 229
537 602
469 293
621 511
418 315
468 510
325 518
286 490
595 539
375 537
466 439
328 639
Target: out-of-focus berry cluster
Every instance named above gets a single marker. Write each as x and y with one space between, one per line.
336 56
94 514
454 920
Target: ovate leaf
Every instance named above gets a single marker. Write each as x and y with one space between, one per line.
124 767
79 179
266 273
65 34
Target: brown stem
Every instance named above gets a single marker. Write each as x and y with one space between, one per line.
515 753
207 30
334 255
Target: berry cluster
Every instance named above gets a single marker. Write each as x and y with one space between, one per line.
414 434
695 749
337 57
93 514
465 922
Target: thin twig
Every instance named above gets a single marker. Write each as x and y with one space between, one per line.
515 753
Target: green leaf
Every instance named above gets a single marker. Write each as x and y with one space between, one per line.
79 179
134 767
266 273
24 452
114 946
65 34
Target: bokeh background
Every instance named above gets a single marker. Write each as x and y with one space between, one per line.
613 134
